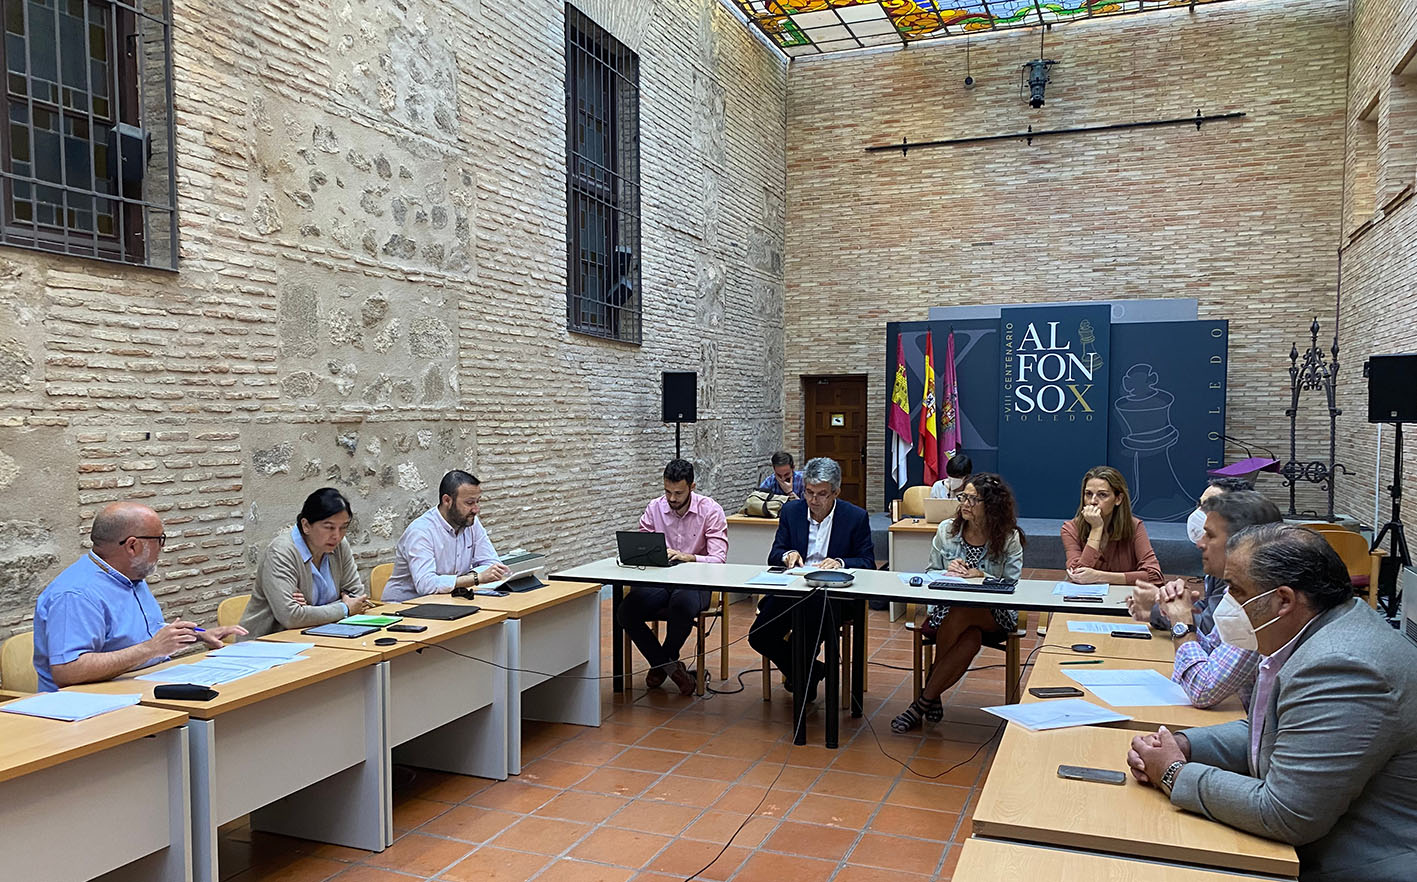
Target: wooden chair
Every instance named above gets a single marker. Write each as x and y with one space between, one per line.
17 672
845 637
911 504
378 577
925 652
717 609
230 610
1363 565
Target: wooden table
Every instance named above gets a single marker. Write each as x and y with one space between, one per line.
78 800
1024 799
990 860
299 747
1048 671
553 648
750 539
1158 649
445 689
909 551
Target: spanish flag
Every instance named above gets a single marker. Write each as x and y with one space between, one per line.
898 419
929 443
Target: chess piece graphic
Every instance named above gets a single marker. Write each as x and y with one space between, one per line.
1088 340
1145 410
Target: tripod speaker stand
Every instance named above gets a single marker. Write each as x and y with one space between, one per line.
1392 398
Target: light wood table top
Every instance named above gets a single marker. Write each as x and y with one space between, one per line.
30 744
524 603
438 631
1048 671
318 665
1024 799
1158 649
990 860
742 520
914 525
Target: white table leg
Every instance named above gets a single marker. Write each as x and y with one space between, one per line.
564 640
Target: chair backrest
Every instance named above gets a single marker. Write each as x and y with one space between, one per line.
912 504
1352 548
17 664
230 610
377 578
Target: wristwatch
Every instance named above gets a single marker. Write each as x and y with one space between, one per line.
1168 778
1181 629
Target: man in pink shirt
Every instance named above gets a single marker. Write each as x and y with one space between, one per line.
694 529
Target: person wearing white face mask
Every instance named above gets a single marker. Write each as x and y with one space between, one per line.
1327 758
957 472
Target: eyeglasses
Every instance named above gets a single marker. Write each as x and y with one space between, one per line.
967 499
161 540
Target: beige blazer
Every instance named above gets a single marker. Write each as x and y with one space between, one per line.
281 573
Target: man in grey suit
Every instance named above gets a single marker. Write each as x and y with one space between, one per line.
1333 769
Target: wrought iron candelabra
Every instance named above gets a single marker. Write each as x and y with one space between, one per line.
1312 373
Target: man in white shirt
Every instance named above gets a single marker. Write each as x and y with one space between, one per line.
440 550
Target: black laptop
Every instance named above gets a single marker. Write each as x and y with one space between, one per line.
443 612
643 549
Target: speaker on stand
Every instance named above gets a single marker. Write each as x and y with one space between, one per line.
679 401
1392 398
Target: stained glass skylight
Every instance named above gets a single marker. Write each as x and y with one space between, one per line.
811 27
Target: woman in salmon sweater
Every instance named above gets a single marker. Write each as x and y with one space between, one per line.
1104 543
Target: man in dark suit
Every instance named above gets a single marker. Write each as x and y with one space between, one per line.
819 531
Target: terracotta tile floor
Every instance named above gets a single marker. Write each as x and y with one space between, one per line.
658 790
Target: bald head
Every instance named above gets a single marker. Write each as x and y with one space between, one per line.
119 520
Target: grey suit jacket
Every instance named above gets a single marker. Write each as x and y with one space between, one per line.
1337 759
281 573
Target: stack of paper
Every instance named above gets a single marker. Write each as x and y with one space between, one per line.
1132 687
1106 627
766 578
213 671
1072 589
69 706
275 651
1056 714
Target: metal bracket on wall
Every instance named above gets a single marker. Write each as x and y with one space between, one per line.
1027 136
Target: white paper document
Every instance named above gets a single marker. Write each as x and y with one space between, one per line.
1136 687
258 649
1107 627
215 671
69 706
1056 713
766 578
1072 589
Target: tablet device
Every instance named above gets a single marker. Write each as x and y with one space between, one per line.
336 629
443 612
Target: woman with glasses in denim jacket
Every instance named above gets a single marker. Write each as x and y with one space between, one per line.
983 539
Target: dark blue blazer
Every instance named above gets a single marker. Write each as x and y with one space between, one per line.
850 539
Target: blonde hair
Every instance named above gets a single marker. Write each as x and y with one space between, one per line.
1119 526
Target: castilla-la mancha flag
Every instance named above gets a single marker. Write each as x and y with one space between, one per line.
929 443
898 419
951 438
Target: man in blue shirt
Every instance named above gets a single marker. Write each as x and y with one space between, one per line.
783 479
98 619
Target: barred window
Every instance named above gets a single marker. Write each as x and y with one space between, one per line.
602 183
86 157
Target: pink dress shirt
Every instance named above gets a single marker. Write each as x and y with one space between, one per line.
702 530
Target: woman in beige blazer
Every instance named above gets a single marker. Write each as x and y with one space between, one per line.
307 575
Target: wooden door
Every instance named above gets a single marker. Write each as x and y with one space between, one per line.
835 409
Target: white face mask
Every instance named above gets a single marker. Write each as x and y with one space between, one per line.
1233 624
954 484
1195 526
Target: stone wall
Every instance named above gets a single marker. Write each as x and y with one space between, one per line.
1380 252
371 290
1241 215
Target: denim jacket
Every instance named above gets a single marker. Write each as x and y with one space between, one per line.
945 548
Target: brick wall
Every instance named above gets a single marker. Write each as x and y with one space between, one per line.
1380 253
1241 215
372 290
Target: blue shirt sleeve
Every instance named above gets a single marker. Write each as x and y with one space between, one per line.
74 625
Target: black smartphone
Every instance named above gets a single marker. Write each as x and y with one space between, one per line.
1056 692
1096 776
777 569
405 628
1082 598
1133 635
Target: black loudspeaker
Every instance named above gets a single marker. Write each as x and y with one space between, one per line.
681 397
1392 388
